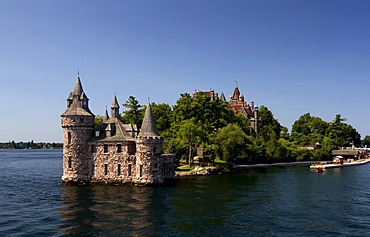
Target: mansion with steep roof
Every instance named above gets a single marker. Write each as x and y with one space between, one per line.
237 104
111 152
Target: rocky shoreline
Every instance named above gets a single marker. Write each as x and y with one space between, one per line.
212 170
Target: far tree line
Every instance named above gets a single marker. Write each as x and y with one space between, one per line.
30 145
202 124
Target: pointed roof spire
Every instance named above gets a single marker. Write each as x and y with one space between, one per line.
115 103
236 93
106 116
77 90
223 97
148 127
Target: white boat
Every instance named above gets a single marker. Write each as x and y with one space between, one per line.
336 164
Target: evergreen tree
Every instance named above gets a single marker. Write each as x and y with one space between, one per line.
134 113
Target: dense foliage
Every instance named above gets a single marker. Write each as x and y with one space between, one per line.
209 126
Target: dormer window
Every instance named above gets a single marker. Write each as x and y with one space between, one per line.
97 133
108 130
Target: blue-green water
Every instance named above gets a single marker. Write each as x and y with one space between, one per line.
279 201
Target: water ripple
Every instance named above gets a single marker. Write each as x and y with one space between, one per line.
278 201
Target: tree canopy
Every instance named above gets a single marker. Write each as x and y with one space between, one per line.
134 113
198 122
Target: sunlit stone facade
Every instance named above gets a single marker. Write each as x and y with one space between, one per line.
111 152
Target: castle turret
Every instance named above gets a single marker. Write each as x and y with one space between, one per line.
78 124
149 163
106 116
115 108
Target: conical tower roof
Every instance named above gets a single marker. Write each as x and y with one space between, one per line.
106 116
236 93
223 97
77 90
148 127
115 102
77 101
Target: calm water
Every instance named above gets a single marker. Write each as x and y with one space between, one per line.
279 201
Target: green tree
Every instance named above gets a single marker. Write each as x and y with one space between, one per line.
234 144
210 115
188 136
308 130
134 113
341 133
366 141
243 122
163 116
269 126
182 110
98 120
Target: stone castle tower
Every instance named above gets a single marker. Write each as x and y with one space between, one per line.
78 124
111 152
148 150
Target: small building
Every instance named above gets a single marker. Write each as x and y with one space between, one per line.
347 154
112 152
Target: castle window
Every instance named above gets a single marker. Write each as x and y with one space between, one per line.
119 148
105 169
129 170
105 148
69 137
69 162
119 169
131 148
93 149
82 120
141 170
155 150
97 133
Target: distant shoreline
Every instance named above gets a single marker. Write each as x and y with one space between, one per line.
12 145
202 171
296 163
56 148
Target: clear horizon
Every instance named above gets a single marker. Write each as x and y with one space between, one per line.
292 56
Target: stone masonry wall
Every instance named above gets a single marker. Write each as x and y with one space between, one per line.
77 165
148 161
168 161
106 164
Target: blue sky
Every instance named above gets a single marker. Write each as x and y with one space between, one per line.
292 56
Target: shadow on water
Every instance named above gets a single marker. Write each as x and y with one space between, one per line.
101 210
128 210
279 201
